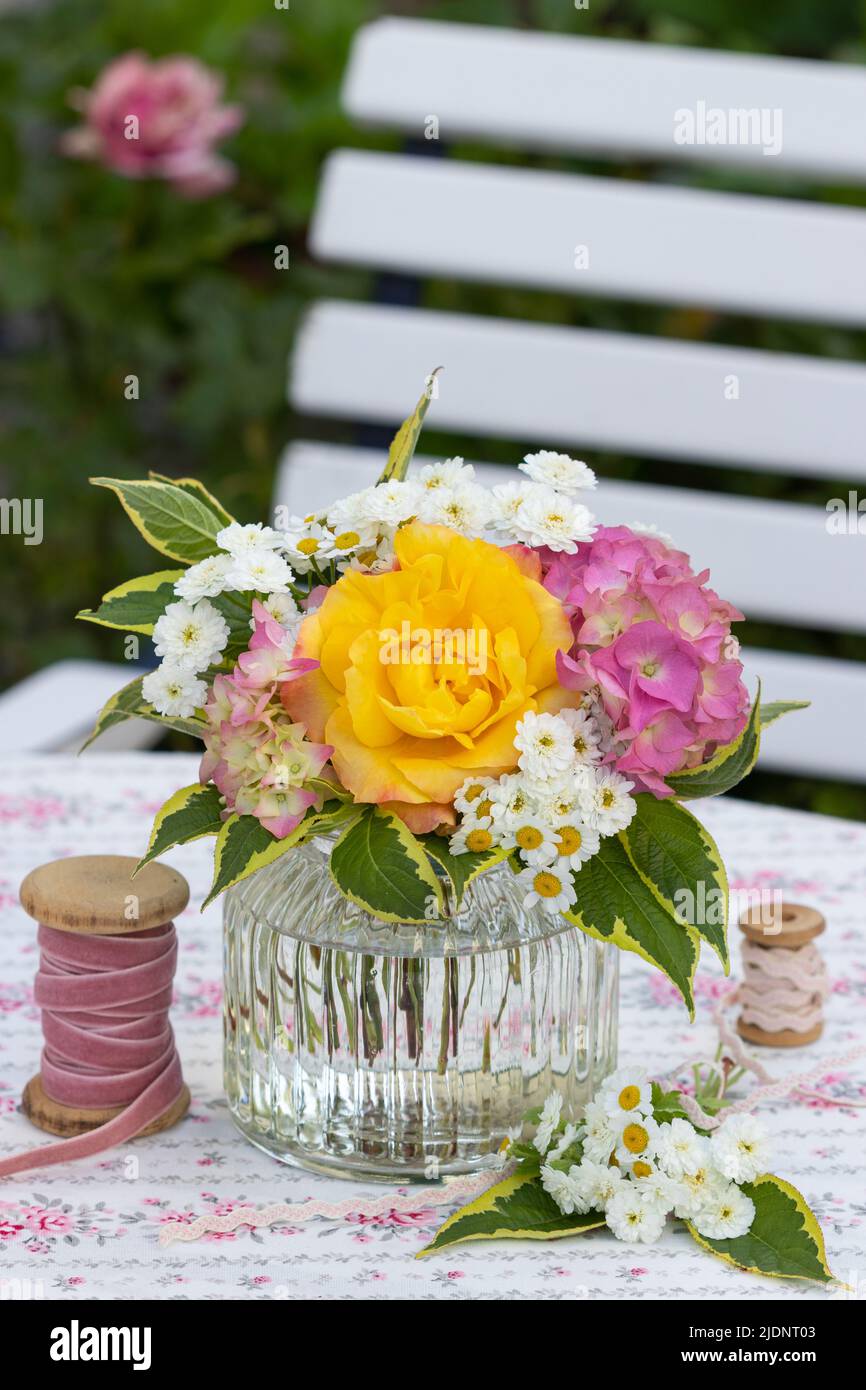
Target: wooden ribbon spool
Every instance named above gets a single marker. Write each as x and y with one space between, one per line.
791 926
95 895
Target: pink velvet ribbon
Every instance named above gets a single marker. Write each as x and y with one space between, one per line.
108 1040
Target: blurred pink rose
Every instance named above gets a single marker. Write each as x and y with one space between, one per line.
158 119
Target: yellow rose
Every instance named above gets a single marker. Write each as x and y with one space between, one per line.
425 671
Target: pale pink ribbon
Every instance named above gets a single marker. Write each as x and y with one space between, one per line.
108 1040
783 989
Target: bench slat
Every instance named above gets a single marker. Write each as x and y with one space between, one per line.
580 387
601 96
647 242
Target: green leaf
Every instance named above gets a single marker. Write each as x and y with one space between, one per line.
188 815
666 1105
460 868
614 904
174 521
680 862
405 440
774 710
195 489
135 605
785 1239
730 764
516 1209
380 865
129 703
244 846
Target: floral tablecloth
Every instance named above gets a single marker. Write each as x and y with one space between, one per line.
90 1230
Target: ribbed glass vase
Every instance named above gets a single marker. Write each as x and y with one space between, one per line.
391 1051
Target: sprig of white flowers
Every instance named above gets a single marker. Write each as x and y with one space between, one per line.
553 812
638 1171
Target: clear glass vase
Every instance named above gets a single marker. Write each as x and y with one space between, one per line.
387 1051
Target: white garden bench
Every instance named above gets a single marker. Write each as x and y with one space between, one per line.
586 389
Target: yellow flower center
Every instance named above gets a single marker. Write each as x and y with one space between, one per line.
580 744
629 1097
478 840
485 807
347 540
308 546
474 791
529 837
570 840
546 885
641 1170
635 1138
607 798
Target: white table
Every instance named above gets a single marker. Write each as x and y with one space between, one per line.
90 1230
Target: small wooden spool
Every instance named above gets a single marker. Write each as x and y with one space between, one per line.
95 894
791 925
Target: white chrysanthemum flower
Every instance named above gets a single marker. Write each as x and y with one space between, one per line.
575 842
260 571
548 518
646 528
637 1138
441 477
307 543
693 1189
585 734
349 517
607 806
632 1219
283 609
562 1188
563 801
565 1141
174 691
726 1214
548 1121
680 1149
545 747
472 838
626 1092
740 1148
464 508
510 800
597 1133
506 499
237 539
393 502
558 471
655 1188
204 580
190 635
472 797
533 838
547 885
597 1184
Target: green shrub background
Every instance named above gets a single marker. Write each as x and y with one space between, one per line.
101 277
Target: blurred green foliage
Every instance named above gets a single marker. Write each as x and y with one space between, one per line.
101 277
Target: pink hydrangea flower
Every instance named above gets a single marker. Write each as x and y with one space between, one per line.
656 642
157 119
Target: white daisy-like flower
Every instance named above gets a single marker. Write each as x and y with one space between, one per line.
393 502
440 477
655 1188
575 842
204 580
680 1150
566 1139
307 543
726 1214
545 747
464 508
547 885
585 733
597 1184
607 806
548 518
693 1189
174 691
548 1121
633 1219
510 801
283 609
473 795
563 800
562 1187
597 1133
558 471
349 517
472 838
238 538
190 635
637 1138
740 1148
506 499
533 838
262 571
626 1093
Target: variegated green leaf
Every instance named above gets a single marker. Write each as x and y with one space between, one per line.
135 605
129 703
380 865
405 441
176 522
518 1208
784 1239
188 815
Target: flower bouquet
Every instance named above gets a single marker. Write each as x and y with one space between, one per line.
438 702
